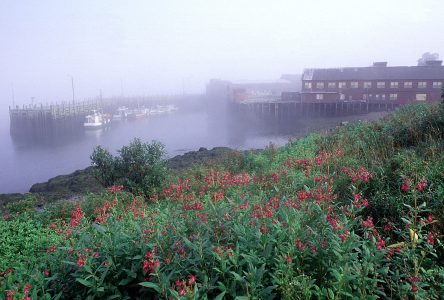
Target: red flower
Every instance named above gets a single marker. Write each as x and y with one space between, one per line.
289 259
105 264
368 223
380 244
191 280
80 262
430 239
405 187
10 295
27 288
182 293
414 288
430 219
299 245
422 184
115 189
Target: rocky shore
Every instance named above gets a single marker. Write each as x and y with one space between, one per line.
82 182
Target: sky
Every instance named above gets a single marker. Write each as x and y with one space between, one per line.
147 47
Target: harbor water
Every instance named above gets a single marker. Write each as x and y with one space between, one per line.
29 159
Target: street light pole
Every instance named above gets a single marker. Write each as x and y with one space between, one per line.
72 86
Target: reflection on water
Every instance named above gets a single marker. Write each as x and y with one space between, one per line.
35 156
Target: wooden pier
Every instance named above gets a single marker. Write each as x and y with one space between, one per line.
292 109
69 116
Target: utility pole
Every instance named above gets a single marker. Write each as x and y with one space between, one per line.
72 86
13 96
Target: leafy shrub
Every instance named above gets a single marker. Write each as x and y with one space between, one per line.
140 167
26 205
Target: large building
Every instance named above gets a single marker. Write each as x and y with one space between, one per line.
376 84
252 91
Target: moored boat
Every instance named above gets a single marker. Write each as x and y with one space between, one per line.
96 120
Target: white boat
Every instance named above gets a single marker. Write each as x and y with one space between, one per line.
96 120
121 113
161 109
138 113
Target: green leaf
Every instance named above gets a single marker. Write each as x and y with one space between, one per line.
241 298
151 285
88 269
237 276
99 228
85 282
406 221
220 296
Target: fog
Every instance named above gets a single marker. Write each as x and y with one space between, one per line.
120 48
152 47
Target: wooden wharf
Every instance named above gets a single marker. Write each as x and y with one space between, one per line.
71 115
291 109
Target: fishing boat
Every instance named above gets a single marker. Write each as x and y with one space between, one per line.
121 113
96 120
161 109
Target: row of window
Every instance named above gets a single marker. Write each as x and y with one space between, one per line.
392 97
368 84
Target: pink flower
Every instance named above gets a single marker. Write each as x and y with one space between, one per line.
299 245
80 262
27 288
191 280
422 184
405 187
368 223
289 259
380 244
430 218
430 239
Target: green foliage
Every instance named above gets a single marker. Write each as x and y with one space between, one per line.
321 218
26 205
22 241
140 167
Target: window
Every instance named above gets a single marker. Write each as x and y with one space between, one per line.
377 96
342 85
319 96
354 84
332 85
342 97
394 84
408 84
422 85
437 84
383 97
421 97
307 85
319 85
393 97
367 84
380 84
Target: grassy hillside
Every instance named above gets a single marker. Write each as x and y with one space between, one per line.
357 214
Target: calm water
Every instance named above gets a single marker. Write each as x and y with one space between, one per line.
27 161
